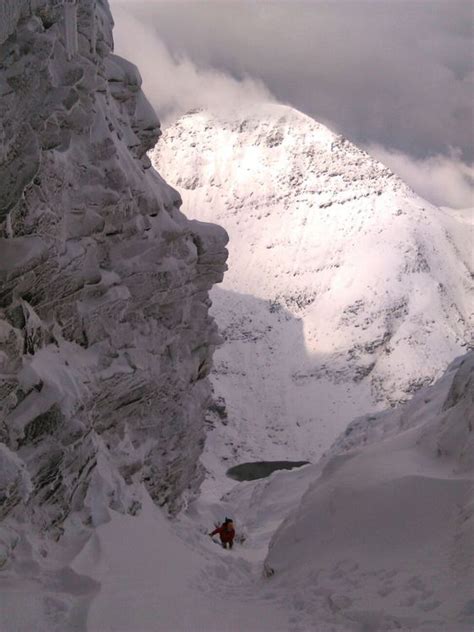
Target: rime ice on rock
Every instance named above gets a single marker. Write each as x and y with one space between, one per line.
70 27
105 335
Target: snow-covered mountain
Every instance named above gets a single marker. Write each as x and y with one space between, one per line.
345 293
105 336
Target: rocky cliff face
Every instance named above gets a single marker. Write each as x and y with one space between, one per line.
105 336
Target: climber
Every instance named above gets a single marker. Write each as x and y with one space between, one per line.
226 533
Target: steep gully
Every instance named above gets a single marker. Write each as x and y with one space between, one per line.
79 251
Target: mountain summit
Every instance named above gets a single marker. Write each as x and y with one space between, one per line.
362 286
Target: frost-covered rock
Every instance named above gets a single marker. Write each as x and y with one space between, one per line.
353 292
105 336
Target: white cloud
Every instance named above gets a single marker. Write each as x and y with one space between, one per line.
443 180
397 73
174 84
369 85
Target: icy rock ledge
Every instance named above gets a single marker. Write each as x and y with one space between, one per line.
105 335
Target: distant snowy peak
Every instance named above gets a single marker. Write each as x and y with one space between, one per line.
275 141
294 196
378 275
272 153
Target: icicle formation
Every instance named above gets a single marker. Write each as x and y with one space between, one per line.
70 27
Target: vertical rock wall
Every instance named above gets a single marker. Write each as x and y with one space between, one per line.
105 336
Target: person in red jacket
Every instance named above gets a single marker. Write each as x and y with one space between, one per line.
226 533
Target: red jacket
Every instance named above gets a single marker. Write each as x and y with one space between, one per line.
225 534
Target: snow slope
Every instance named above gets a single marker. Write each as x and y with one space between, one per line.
163 582
345 291
383 538
139 574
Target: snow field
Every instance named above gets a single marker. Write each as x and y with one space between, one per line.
384 536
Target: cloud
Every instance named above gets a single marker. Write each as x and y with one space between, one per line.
397 73
394 74
443 180
172 82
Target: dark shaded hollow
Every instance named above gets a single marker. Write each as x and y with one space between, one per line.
260 469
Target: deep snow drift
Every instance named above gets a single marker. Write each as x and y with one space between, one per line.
346 292
384 537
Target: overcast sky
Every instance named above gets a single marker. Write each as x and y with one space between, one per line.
394 76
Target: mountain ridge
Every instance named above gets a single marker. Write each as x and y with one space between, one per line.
319 229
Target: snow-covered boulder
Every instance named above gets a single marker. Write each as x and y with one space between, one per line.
105 336
383 538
